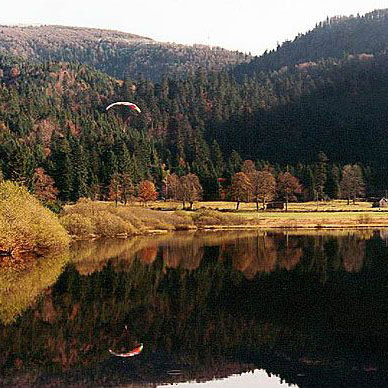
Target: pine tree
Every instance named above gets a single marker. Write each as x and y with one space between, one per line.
80 171
127 187
333 182
218 159
115 189
62 168
234 163
352 182
321 175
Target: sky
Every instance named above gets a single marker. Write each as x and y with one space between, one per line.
244 25
257 378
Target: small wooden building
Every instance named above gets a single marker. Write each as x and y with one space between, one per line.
275 205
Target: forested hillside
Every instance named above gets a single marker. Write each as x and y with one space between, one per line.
310 119
53 116
336 38
117 53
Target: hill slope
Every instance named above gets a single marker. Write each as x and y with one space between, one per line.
335 38
117 53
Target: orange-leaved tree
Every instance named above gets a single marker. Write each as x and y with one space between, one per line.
146 191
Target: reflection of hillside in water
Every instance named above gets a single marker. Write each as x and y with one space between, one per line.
195 301
23 280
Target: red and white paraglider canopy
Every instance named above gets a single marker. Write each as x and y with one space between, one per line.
130 105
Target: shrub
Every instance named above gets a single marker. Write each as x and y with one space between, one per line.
109 220
78 225
25 224
110 225
88 217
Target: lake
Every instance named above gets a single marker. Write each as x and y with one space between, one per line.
212 309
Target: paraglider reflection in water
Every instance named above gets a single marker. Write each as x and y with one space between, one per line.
130 105
133 352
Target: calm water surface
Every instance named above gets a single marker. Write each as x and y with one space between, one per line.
230 309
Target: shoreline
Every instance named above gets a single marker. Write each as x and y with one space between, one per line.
241 227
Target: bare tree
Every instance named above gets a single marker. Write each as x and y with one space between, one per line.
174 187
248 167
191 189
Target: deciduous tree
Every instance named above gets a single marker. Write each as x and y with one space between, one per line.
43 186
146 191
241 188
263 187
288 186
173 187
191 189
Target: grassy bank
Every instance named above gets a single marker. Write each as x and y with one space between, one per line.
88 219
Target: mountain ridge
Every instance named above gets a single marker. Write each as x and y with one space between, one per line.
119 54
333 38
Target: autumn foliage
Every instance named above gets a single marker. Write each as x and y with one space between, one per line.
25 225
147 191
44 186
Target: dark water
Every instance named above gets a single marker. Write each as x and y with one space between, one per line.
246 309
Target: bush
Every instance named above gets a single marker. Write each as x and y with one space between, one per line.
25 224
109 220
78 225
88 217
110 225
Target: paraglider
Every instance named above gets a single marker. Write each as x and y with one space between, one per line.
133 352
130 105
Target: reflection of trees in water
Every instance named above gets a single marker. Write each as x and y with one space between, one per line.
148 255
352 250
252 252
264 253
289 253
186 256
178 249
323 254
189 314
